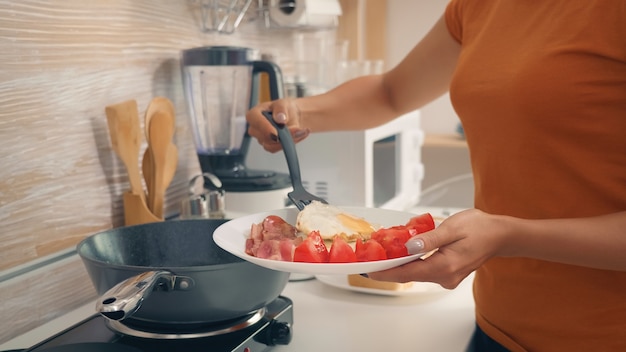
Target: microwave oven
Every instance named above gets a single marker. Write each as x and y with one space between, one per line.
378 167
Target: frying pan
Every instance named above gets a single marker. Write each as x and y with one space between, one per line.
172 272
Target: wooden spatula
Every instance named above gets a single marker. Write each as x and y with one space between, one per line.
125 133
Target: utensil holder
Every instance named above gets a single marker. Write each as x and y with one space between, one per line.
136 210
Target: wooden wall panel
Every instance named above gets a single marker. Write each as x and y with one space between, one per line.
61 63
42 295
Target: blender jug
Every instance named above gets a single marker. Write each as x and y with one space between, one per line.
221 83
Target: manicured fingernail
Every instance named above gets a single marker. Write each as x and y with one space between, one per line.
280 117
365 275
415 245
274 137
301 133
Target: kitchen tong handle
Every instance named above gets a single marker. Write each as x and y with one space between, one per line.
289 147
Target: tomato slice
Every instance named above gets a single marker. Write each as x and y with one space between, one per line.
421 223
311 250
393 239
369 250
341 252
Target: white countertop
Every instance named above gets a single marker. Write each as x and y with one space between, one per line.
328 318
333 319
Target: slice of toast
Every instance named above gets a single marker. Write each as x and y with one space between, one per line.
360 281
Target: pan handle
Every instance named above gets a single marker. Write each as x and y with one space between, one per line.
125 298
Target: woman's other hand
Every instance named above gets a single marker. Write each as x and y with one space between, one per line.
464 241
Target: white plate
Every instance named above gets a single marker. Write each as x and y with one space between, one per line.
231 236
418 288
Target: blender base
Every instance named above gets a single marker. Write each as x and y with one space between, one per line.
243 203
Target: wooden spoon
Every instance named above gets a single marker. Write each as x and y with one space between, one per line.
161 131
125 133
147 167
147 170
157 103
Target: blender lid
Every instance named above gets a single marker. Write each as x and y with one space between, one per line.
218 56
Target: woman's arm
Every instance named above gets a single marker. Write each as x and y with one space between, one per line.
422 76
368 101
468 239
597 242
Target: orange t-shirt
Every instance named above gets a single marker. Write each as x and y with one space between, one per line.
540 88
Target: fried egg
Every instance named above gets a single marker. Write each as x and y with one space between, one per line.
330 221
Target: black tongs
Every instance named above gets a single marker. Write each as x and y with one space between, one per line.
299 196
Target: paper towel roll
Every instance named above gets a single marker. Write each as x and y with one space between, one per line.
305 13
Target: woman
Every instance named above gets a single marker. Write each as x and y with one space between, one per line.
540 87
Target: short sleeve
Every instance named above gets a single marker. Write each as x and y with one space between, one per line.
453 19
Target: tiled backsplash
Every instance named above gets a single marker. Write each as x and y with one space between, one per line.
61 63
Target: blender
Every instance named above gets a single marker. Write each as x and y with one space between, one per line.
221 84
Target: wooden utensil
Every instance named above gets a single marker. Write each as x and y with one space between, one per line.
147 170
161 131
136 211
125 133
170 170
157 103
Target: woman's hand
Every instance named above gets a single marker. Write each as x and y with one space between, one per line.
468 239
465 241
284 111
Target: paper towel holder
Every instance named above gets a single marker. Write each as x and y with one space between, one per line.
287 7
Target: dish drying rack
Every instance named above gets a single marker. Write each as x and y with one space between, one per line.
222 16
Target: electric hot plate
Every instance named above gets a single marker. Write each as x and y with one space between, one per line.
259 331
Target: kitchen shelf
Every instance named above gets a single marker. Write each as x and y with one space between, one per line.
444 140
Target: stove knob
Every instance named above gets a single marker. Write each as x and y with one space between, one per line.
277 333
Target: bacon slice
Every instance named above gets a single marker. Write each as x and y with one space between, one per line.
273 238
